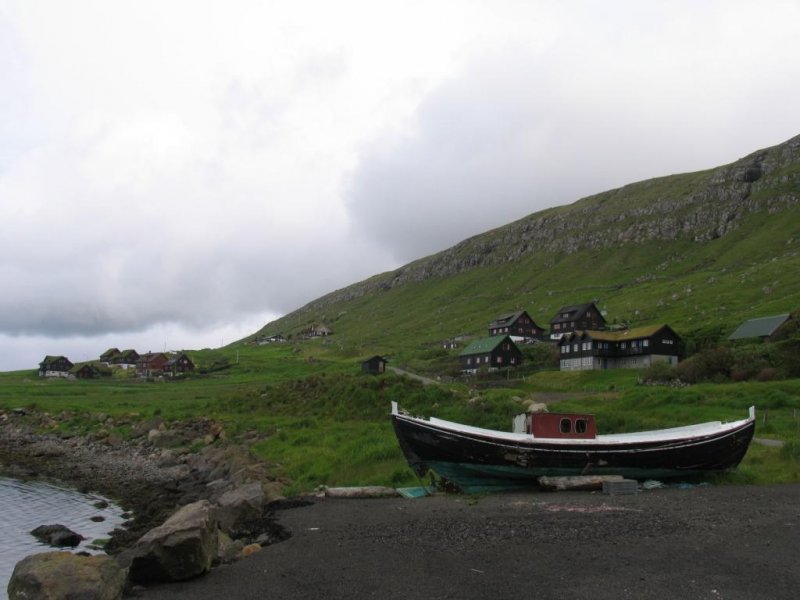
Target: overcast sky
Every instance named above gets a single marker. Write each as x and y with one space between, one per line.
175 174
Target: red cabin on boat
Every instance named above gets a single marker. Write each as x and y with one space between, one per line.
559 425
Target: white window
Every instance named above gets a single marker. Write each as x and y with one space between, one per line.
645 343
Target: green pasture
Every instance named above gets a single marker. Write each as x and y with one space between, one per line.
314 419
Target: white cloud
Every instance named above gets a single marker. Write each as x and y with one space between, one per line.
190 164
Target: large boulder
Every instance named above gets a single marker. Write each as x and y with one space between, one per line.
66 576
184 546
239 504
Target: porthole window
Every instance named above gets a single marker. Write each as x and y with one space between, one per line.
580 426
565 426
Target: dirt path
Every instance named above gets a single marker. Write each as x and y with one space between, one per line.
731 542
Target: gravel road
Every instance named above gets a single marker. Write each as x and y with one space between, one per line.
727 542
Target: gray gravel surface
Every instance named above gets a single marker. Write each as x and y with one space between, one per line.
725 542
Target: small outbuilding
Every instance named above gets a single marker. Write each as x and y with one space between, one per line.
764 328
375 365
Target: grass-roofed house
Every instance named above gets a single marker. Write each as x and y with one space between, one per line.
109 355
55 366
491 352
630 349
90 370
127 359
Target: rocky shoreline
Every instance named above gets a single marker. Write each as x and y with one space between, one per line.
158 469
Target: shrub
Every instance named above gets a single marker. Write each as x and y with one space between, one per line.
768 374
659 372
708 365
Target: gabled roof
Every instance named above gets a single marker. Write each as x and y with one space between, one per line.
637 333
129 352
376 357
484 345
573 312
503 320
174 359
98 368
110 352
50 359
761 327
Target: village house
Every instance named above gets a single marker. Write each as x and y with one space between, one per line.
55 366
320 331
151 364
89 370
178 365
263 340
492 352
576 318
127 359
764 328
630 349
375 365
109 355
518 325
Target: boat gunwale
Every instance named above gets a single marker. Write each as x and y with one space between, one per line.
699 432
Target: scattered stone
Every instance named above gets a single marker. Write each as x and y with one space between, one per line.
250 549
228 550
101 504
97 519
57 535
61 575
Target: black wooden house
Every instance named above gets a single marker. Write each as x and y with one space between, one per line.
629 349
517 325
576 318
492 352
55 366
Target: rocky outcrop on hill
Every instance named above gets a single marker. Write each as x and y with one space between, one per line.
696 207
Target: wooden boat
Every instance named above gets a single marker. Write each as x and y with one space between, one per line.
556 444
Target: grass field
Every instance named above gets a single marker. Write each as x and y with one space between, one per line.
317 420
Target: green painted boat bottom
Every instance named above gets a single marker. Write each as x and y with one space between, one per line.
474 479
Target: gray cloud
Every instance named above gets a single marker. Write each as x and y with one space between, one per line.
518 131
199 188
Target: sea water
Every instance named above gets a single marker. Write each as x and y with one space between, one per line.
24 505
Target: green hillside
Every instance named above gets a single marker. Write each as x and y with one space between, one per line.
700 251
